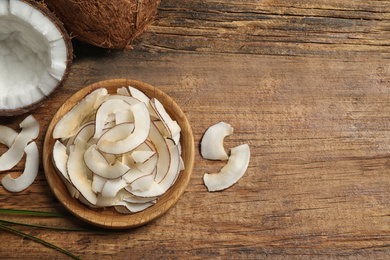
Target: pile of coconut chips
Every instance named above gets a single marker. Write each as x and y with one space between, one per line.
118 150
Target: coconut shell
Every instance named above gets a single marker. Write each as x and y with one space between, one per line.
110 24
43 8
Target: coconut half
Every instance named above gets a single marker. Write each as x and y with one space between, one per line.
36 54
108 24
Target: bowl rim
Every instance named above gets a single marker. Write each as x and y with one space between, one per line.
109 218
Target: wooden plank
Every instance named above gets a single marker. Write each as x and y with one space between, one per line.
270 27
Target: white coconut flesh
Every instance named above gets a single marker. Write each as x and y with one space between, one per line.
29 174
212 147
113 153
18 144
34 55
234 169
30 131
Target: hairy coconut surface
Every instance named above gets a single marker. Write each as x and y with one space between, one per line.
36 54
108 24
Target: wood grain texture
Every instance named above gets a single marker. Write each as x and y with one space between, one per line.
305 84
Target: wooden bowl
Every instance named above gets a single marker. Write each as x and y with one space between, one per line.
109 218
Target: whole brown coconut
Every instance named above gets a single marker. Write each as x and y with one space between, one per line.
105 23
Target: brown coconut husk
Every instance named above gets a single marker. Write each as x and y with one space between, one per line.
109 24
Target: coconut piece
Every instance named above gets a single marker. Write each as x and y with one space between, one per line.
29 174
98 183
164 157
139 95
234 169
7 136
30 131
150 165
108 107
98 164
78 172
108 24
134 139
174 166
142 183
111 201
155 190
133 174
136 93
159 188
112 187
117 133
124 117
85 132
122 91
60 159
142 156
70 123
136 199
125 207
36 55
212 141
171 127
126 98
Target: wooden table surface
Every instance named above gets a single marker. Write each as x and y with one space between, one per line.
305 83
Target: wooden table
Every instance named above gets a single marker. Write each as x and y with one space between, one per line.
305 83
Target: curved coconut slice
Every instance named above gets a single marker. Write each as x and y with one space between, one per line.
134 174
124 117
111 201
142 183
136 93
122 91
154 190
142 156
174 166
126 98
125 207
36 55
60 159
112 187
106 108
70 123
150 165
172 128
139 95
134 139
135 199
98 164
29 174
85 132
117 133
159 188
7 136
78 172
30 131
164 156
212 141
98 183
234 169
